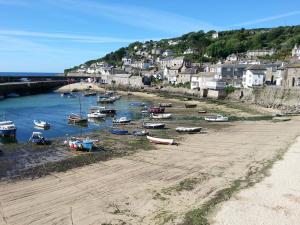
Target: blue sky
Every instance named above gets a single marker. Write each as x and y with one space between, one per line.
51 35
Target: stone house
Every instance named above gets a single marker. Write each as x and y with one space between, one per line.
204 80
232 73
291 76
168 53
260 53
171 62
296 52
125 79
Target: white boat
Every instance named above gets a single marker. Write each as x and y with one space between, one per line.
188 129
217 118
161 116
154 125
96 108
122 120
162 141
96 115
40 123
7 128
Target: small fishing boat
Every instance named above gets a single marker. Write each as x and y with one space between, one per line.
217 118
137 104
42 124
162 141
154 125
161 116
202 111
140 133
87 94
156 109
190 105
7 129
37 138
165 105
96 115
81 144
106 100
77 118
119 132
122 120
13 95
188 130
144 111
108 111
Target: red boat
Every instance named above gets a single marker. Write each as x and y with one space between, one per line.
156 110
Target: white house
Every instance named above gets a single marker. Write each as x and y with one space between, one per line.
260 53
215 35
254 75
168 53
172 42
171 62
189 51
205 80
141 65
296 52
232 58
126 61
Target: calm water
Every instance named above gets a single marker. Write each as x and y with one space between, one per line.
26 74
54 109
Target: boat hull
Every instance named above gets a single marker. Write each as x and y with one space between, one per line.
154 126
161 141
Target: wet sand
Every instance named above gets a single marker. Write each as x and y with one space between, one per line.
149 187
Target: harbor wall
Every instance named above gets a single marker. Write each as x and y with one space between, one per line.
27 88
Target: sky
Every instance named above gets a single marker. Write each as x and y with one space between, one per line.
52 35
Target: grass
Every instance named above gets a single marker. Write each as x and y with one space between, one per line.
199 216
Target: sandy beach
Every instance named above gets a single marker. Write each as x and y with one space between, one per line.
149 187
275 200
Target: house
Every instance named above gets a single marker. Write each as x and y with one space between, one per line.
190 51
141 65
291 76
168 53
171 74
232 58
185 75
215 35
254 75
156 51
126 61
125 79
171 62
172 42
296 52
206 80
232 73
260 53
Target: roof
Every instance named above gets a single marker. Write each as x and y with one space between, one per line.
294 65
204 74
256 67
123 75
242 66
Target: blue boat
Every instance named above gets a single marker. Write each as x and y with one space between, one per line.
119 132
7 129
137 104
77 144
37 138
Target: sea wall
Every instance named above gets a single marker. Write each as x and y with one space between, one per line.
25 88
285 99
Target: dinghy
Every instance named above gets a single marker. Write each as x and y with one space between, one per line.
156 110
37 138
122 120
217 118
154 125
165 105
81 144
188 130
77 118
162 141
42 124
190 106
96 115
119 132
161 116
7 129
140 133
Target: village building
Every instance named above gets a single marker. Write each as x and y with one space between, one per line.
156 51
141 65
205 80
126 60
190 51
172 42
296 52
215 35
254 76
124 79
232 73
168 53
260 53
291 75
171 62
232 58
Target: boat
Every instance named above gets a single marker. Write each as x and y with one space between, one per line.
106 100
140 133
217 118
119 132
190 105
37 138
137 104
81 144
13 95
161 116
108 111
156 109
188 130
96 115
7 129
144 111
162 141
68 95
202 111
87 94
154 125
122 120
42 124
165 105
77 118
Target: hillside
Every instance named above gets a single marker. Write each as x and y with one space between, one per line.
206 48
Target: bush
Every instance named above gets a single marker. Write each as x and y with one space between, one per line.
228 90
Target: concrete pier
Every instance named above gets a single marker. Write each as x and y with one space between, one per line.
33 87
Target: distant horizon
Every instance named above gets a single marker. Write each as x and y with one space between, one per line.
53 36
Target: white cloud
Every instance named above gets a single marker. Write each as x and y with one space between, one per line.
267 19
